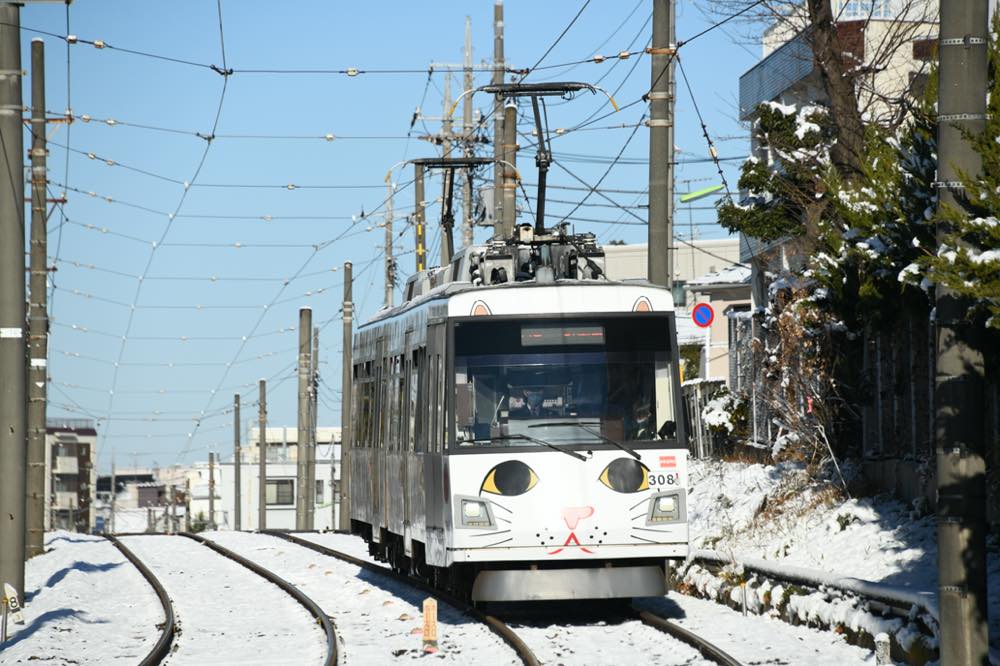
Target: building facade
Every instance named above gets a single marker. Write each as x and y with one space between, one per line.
71 477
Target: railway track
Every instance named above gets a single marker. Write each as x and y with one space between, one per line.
163 644
707 649
209 596
324 620
495 625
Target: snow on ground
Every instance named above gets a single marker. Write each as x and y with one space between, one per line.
567 638
378 620
85 604
756 639
227 614
746 510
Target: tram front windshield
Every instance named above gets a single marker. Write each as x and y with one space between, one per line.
566 382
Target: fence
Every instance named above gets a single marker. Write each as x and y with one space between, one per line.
697 393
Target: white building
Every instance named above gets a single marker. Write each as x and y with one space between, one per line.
280 489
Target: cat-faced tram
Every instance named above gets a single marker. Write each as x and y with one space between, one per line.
516 421
517 430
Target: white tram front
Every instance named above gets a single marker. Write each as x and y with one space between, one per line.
521 439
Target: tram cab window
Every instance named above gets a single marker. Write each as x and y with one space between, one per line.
569 383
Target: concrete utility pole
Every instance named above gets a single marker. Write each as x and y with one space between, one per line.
509 170
173 509
418 217
13 411
262 457
38 318
498 152
114 493
302 438
661 147
467 235
211 490
344 521
313 423
187 505
448 233
959 383
390 260
237 467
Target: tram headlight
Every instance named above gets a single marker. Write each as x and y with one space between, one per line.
665 508
475 513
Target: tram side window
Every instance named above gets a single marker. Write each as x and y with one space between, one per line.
392 431
420 423
442 426
412 378
400 405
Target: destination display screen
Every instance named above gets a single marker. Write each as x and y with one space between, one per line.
539 335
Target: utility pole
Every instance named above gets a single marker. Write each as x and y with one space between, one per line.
313 424
498 120
509 170
467 235
447 233
302 438
173 509
262 457
38 319
344 521
661 147
187 505
211 490
237 467
13 394
418 216
390 261
114 493
959 404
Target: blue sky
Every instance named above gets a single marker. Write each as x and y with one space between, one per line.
181 351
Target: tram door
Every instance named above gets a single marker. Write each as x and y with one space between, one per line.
433 462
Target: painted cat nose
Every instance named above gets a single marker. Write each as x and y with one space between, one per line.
574 514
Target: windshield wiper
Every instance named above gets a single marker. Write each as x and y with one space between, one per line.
593 432
528 438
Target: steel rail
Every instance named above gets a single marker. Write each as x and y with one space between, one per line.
495 625
707 649
324 620
166 640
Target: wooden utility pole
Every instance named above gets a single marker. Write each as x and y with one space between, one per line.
419 219
262 457
959 404
237 467
467 80
38 318
661 147
302 437
344 521
13 389
498 119
211 490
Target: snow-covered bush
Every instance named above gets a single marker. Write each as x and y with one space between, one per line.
725 413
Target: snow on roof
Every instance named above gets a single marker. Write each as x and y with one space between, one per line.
734 274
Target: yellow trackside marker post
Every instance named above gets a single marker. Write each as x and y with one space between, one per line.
430 625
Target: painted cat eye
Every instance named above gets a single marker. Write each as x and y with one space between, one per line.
509 478
625 475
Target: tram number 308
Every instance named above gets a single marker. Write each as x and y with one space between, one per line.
662 479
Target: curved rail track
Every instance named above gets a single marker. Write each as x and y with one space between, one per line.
495 625
324 620
707 649
165 642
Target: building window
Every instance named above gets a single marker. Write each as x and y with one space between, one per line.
280 492
679 293
319 492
